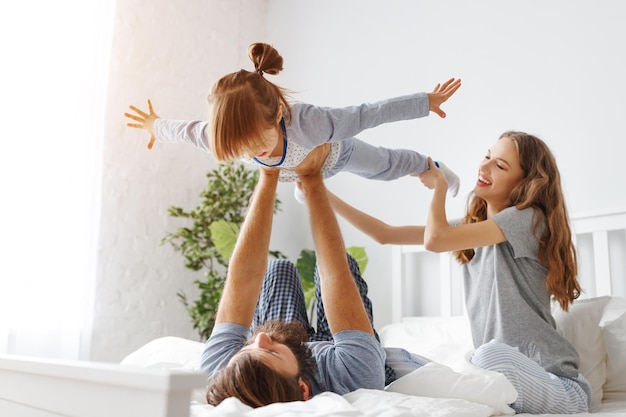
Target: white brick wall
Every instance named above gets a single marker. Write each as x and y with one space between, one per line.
170 52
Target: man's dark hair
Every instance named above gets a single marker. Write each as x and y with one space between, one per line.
247 378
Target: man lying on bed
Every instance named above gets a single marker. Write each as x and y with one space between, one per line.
263 349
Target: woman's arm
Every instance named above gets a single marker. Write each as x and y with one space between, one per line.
439 236
381 232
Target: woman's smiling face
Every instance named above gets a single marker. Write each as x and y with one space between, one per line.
498 174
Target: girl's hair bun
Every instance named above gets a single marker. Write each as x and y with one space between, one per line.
265 58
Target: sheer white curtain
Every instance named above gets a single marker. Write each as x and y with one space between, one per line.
52 92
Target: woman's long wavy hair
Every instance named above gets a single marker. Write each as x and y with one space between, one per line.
540 188
244 104
247 378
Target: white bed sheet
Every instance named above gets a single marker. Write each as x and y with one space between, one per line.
366 403
606 409
359 403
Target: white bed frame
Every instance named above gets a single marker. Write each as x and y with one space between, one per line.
31 387
600 239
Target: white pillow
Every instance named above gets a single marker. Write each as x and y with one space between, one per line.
478 385
444 340
170 353
614 324
581 326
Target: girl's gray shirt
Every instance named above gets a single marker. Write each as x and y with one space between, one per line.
507 299
310 126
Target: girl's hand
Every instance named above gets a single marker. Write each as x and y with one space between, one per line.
440 94
146 121
433 177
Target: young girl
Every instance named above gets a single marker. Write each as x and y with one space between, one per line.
516 249
252 120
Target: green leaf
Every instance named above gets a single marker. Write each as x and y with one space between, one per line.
224 235
309 295
358 253
306 265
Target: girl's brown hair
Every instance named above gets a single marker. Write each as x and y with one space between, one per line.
244 104
540 188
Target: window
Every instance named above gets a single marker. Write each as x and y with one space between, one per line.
52 83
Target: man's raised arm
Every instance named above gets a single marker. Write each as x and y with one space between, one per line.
342 302
249 259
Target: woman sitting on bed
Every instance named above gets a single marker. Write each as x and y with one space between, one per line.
516 249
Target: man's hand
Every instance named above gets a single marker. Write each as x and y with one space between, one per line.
312 164
146 121
440 94
269 172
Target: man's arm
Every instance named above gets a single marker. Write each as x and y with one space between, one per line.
249 259
342 302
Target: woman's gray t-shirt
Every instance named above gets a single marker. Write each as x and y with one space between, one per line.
507 299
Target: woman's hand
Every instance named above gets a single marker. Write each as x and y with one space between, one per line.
440 94
145 121
433 177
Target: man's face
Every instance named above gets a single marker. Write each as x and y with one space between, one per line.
274 354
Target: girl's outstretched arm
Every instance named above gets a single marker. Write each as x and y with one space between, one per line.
144 121
381 232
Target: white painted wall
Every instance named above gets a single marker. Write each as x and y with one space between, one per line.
554 69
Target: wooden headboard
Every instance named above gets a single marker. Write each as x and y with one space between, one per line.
430 284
